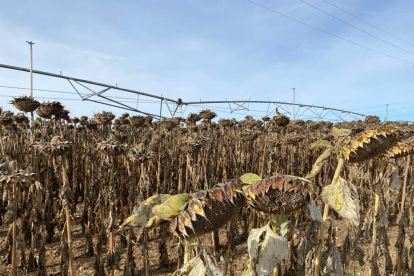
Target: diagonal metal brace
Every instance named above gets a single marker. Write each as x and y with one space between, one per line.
172 113
93 92
96 93
239 107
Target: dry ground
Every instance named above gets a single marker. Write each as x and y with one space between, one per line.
84 264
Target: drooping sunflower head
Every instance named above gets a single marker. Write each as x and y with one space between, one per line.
369 144
399 150
208 210
279 194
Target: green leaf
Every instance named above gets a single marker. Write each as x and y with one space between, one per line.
321 144
249 178
317 166
153 220
172 206
156 199
314 212
343 198
142 216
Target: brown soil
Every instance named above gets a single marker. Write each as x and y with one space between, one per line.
239 258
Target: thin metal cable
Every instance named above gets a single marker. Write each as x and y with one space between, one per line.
372 25
331 34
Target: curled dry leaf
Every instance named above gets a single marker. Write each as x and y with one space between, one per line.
314 212
282 222
266 249
317 166
334 265
340 132
204 264
321 144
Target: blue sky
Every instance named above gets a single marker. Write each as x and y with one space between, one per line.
213 50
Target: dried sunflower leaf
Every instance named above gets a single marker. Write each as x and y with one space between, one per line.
187 219
340 132
217 194
181 226
343 198
188 266
201 194
199 268
228 191
321 144
317 166
196 206
253 242
267 249
283 222
314 212
334 265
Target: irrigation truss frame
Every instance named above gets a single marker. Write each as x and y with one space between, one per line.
175 107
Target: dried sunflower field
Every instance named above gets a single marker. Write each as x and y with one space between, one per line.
200 196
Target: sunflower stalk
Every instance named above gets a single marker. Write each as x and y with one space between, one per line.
3 153
275 218
377 199
145 251
374 244
229 245
322 228
14 252
187 255
407 166
112 209
67 213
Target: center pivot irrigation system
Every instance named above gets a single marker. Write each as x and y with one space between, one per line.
179 107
